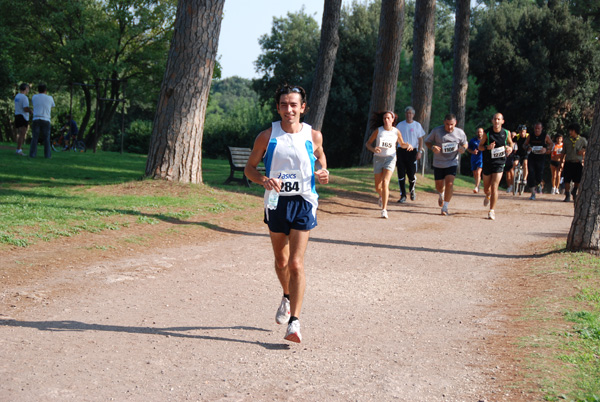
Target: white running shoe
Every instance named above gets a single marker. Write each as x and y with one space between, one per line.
283 312
509 189
492 215
486 201
293 332
444 210
476 190
384 214
441 199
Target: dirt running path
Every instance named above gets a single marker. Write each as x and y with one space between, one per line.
398 309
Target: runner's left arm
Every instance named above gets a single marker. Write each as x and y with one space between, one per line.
322 173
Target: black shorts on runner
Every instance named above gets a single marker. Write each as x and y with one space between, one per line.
292 212
572 172
490 168
20 121
441 173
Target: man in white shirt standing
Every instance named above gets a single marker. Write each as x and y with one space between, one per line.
42 107
413 133
22 116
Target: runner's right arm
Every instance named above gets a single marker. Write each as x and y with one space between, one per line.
251 171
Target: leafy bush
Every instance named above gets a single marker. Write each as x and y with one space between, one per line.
137 136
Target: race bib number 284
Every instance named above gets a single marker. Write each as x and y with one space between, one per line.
291 181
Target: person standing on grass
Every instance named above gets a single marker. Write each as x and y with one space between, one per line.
495 145
406 161
22 111
476 158
385 138
42 107
539 145
294 159
447 142
573 156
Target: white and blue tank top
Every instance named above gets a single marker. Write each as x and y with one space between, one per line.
290 157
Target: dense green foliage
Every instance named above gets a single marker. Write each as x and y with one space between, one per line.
234 116
536 64
65 41
532 60
289 53
348 106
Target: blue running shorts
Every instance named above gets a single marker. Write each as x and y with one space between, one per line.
293 212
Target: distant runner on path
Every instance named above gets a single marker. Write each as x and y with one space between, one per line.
447 142
495 145
385 137
289 150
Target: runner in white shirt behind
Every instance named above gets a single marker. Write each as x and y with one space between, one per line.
42 107
406 161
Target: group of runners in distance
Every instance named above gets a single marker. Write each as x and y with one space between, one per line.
495 152
530 151
294 159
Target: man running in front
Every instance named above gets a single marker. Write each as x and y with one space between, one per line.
289 150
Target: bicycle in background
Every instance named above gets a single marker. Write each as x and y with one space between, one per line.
60 144
68 137
519 183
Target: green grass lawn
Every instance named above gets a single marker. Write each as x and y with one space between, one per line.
42 199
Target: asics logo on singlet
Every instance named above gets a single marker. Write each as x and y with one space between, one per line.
286 176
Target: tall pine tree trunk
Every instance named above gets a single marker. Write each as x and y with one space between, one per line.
176 143
387 64
585 228
328 48
423 60
460 82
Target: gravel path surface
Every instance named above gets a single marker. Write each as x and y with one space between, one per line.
398 309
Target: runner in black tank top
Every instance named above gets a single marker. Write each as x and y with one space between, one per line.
496 144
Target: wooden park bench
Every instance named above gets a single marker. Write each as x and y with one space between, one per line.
237 162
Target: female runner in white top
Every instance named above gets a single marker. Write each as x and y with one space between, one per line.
384 160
